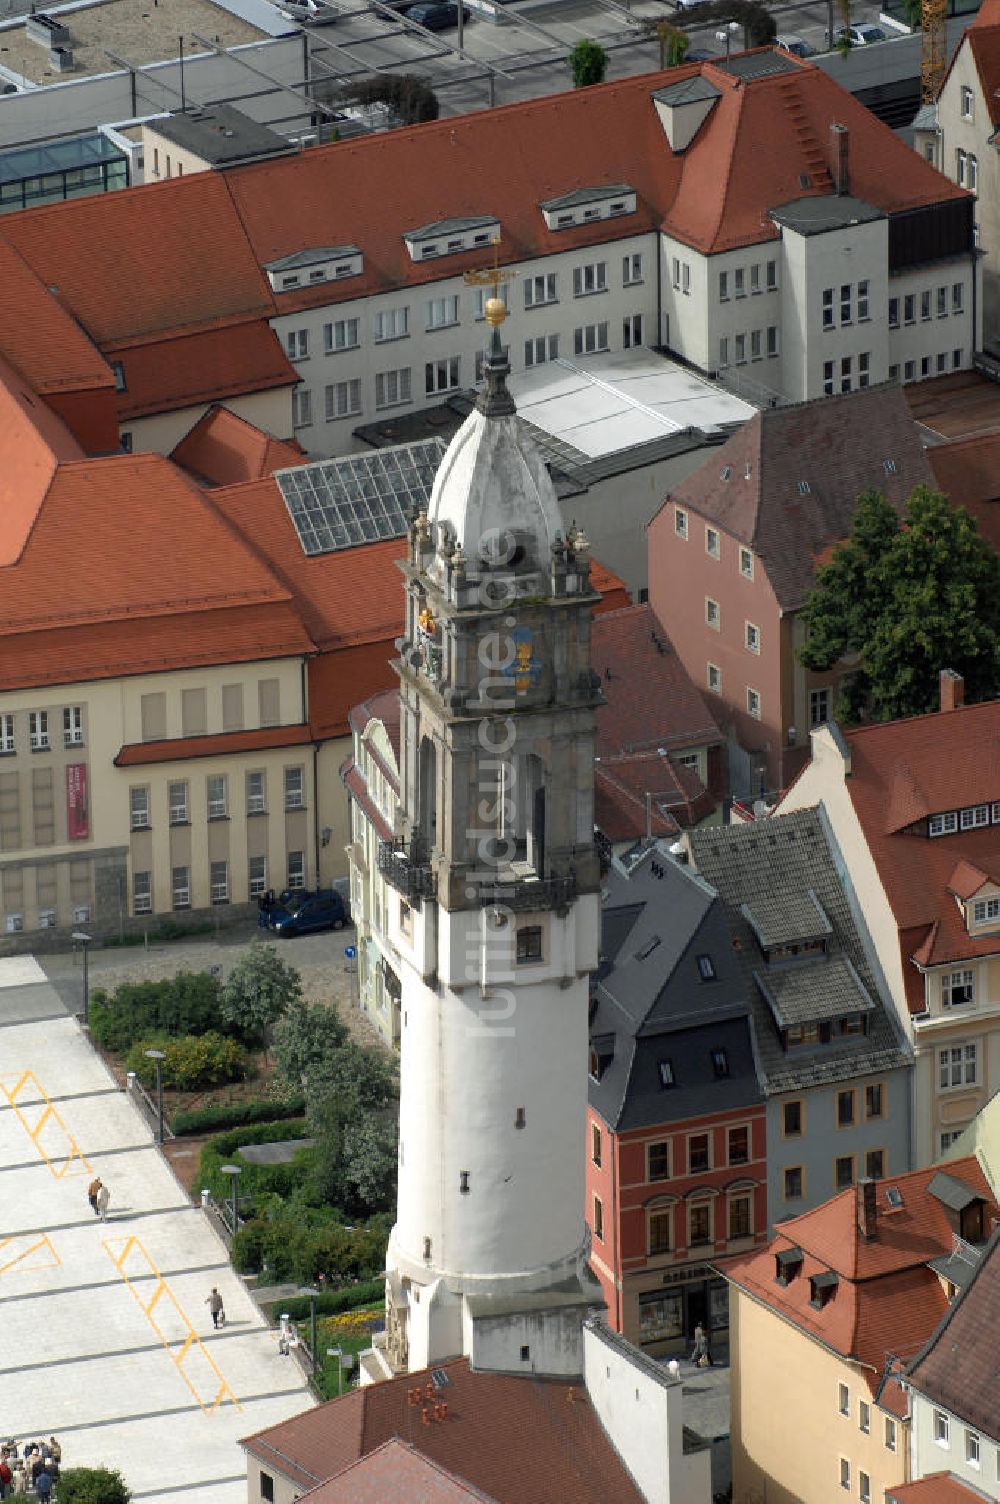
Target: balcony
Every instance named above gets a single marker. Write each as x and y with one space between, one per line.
406 869
524 895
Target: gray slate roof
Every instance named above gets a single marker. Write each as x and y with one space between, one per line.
652 1001
222 135
450 226
791 854
816 215
951 1191
782 918
315 256
595 195
815 990
689 91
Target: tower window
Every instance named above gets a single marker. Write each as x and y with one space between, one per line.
529 943
519 1119
427 1248
525 1354
463 1182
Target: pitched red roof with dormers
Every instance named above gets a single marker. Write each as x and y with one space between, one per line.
887 1301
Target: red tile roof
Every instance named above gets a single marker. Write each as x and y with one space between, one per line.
887 1301
223 744
395 1473
34 442
40 338
984 43
621 785
968 471
936 1488
223 449
208 366
901 772
384 708
650 700
518 1439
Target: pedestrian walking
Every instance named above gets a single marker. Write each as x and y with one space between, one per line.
214 1303
701 1354
93 1191
43 1485
103 1198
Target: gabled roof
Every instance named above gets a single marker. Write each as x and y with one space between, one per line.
767 864
208 366
223 449
887 1300
786 484
34 442
561 1451
984 44
395 1473
647 789
958 1367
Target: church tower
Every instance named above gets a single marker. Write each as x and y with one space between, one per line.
494 911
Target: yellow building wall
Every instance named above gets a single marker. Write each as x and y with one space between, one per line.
788 1435
159 433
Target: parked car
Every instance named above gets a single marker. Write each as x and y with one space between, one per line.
438 17
301 914
862 34
796 46
315 12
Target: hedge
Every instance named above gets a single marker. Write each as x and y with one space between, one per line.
330 1302
256 1180
92 1485
185 1004
223 1115
191 1061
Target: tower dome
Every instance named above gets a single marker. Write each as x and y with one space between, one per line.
493 492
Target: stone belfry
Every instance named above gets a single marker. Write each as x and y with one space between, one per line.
494 911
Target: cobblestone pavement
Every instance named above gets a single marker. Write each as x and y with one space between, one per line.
320 960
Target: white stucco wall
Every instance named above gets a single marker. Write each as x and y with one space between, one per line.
928 1455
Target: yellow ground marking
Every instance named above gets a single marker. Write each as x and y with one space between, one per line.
13 1252
61 1152
180 1340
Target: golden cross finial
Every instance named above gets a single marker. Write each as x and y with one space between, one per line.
495 309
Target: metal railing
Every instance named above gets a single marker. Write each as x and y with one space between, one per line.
529 895
405 868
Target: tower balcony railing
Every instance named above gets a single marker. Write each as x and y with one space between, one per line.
528 895
405 868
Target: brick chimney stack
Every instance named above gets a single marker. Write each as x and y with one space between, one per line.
841 159
952 689
867 1210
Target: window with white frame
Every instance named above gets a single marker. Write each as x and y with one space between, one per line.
893 313
843 1399
957 989
846 364
752 637
864 1487
540 290
845 1474
957 1066
219 882
723 352
297 344
590 279
392 388
342 334
543 348
966 97
828 378
828 308
910 308
142 892
746 563
302 407
772 276
972 1448
295 797
38 730
590 339
819 707
973 173
739 282
218 803
256 794
845 303
753 703
723 287
296 869
180 887
864 369
943 825
957 297
442 312
864 1416
680 522
942 1429
257 873
441 375
755 344
177 801
713 614
974 816
714 678
985 910
342 399
890 1434
631 269
712 545
740 344
942 302
773 344
755 278
138 802
956 360
73 726
632 331
7 745
961 158
391 323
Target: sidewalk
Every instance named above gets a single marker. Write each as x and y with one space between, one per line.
105 1338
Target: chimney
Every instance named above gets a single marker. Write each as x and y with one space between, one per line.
952 689
841 158
867 1210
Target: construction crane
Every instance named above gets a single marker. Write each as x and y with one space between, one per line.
933 48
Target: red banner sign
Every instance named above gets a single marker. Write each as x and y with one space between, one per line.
77 827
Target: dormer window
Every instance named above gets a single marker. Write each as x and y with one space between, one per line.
822 1288
315 265
986 910
602 1053
449 237
666 1073
957 989
587 205
975 816
943 825
787 1265
706 968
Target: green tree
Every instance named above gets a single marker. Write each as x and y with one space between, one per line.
308 1034
910 594
409 97
260 988
674 43
759 26
371 1151
92 1485
589 63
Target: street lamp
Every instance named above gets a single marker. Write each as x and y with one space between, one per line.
727 35
312 1294
338 1353
234 1172
157 1057
84 940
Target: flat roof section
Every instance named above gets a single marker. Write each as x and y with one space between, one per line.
139 30
220 135
600 405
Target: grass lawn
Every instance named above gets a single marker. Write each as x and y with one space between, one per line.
352 1334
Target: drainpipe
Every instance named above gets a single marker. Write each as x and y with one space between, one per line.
659 289
316 846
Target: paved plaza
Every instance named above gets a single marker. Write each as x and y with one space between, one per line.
105 1337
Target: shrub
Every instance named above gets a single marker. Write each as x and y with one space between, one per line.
229 1115
188 1003
330 1302
589 63
92 1485
192 1061
256 1180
